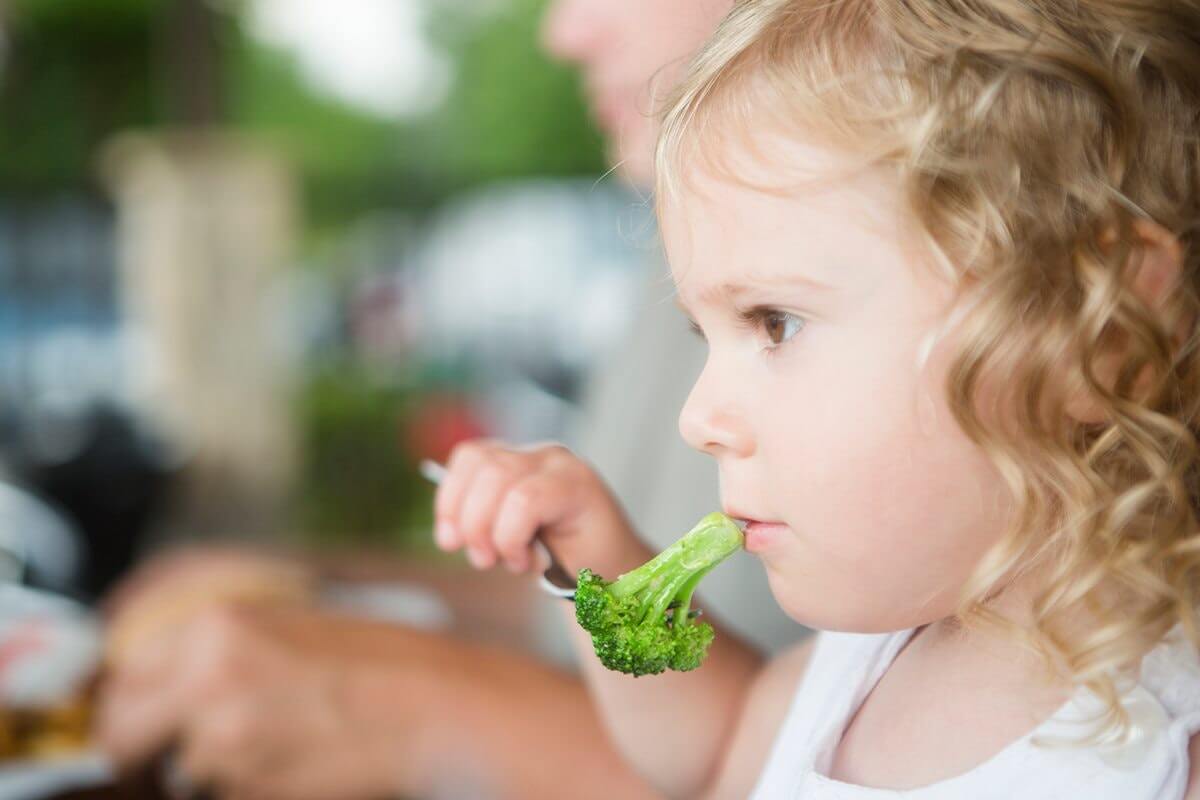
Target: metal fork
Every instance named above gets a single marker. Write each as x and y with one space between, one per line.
555 580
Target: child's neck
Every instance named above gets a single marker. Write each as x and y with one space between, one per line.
974 690
950 638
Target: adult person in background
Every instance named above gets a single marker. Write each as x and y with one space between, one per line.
273 698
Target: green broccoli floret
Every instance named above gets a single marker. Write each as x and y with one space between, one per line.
642 622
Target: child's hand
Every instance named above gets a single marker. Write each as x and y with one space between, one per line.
495 499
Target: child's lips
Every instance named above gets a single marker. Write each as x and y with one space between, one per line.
760 534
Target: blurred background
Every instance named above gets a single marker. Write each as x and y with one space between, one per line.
259 257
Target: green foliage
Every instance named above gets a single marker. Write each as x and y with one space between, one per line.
78 71
320 134
348 161
642 623
511 111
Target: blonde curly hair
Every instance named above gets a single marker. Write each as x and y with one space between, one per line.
1033 140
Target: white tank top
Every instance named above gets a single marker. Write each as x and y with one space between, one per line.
1153 765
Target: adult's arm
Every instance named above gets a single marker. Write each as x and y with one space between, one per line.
288 702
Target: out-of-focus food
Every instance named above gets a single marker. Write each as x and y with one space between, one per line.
56 731
49 651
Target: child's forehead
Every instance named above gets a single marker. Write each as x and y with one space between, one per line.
791 181
816 231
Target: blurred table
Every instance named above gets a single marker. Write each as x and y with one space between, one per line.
491 607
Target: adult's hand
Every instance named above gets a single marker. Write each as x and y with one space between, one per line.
278 702
256 701
177 584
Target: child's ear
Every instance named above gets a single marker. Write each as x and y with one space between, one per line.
1158 274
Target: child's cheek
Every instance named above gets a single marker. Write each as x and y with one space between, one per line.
891 509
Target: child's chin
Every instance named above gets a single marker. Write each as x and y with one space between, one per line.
824 613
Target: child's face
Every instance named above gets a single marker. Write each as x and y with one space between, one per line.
815 405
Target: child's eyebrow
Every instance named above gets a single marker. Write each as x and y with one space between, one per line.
726 291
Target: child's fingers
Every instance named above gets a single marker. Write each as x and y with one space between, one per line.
539 502
518 520
464 460
478 511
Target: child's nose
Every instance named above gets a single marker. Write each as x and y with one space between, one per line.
713 424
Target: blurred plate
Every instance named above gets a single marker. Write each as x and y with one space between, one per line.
49 646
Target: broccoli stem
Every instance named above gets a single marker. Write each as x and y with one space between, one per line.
635 581
671 576
685 596
654 605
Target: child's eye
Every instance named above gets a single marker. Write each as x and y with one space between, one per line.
781 326
778 326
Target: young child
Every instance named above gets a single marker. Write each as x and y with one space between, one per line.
944 257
